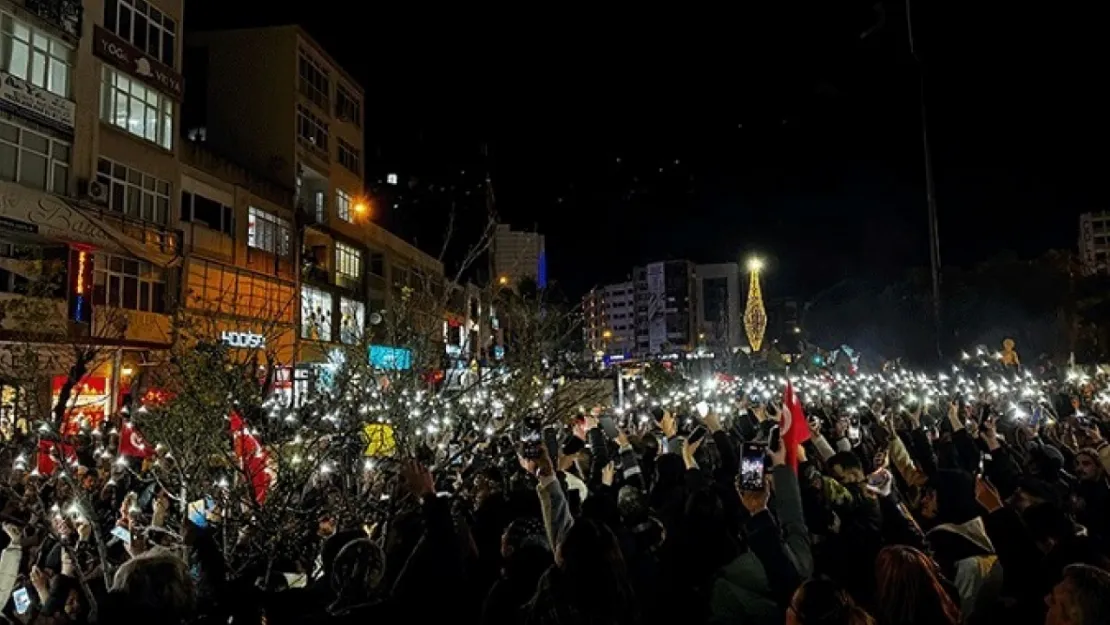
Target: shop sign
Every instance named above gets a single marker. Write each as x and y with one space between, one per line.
134 61
243 339
39 104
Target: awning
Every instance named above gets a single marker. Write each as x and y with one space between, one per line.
32 212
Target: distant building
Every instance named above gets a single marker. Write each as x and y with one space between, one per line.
1094 242
720 306
519 254
666 307
609 324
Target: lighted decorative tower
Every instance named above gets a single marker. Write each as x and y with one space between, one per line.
755 315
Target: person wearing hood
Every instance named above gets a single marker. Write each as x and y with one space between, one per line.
1091 493
959 542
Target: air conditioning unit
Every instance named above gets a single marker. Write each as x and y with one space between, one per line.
97 192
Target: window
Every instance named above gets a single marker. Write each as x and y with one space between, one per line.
349 157
311 130
143 26
268 233
348 261
220 289
133 193
136 108
32 55
315 314
314 81
33 159
128 283
343 205
352 319
347 106
198 209
377 264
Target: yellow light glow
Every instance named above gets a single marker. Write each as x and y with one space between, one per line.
608 334
361 208
126 372
503 280
755 263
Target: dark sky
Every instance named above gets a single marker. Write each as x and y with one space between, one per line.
633 137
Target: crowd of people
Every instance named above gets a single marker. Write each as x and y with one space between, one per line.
985 505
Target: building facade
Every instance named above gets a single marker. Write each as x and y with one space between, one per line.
609 320
308 137
519 255
666 307
90 101
720 306
1094 242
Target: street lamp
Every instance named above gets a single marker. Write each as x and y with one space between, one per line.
755 315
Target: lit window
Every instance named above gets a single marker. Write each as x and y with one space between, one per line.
313 81
347 106
348 262
127 283
136 108
311 130
315 314
268 233
352 320
143 26
349 157
133 193
343 205
36 57
33 159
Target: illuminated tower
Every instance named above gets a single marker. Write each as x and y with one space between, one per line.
755 315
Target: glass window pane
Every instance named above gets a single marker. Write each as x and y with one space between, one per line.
131 293
38 69
20 59
60 181
36 142
59 78
144 296
8 156
32 169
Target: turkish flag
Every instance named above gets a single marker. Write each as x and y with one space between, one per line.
132 443
252 457
794 427
51 453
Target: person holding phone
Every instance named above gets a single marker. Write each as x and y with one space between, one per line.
9 561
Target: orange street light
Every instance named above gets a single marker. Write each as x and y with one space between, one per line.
503 280
361 208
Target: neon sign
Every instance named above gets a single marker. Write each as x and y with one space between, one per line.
81 276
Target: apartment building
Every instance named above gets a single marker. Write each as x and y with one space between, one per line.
519 255
1094 242
720 306
666 307
90 99
609 320
306 136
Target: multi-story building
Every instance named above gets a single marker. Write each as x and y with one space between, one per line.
275 101
609 320
666 307
235 278
720 306
1094 242
518 255
90 96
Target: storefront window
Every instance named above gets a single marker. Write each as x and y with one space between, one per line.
352 321
316 315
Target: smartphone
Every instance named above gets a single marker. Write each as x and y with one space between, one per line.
609 426
696 435
551 441
21 600
657 413
122 533
752 466
702 408
531 438
853 432
774 439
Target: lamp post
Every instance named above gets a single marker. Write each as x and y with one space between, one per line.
755 315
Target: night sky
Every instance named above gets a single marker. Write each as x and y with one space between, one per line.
793 133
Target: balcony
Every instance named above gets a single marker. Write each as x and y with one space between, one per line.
65 14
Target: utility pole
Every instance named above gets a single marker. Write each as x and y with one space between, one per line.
930 191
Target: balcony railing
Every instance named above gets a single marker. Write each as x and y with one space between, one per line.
65 14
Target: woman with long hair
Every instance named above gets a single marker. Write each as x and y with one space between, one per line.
910 590
823 602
